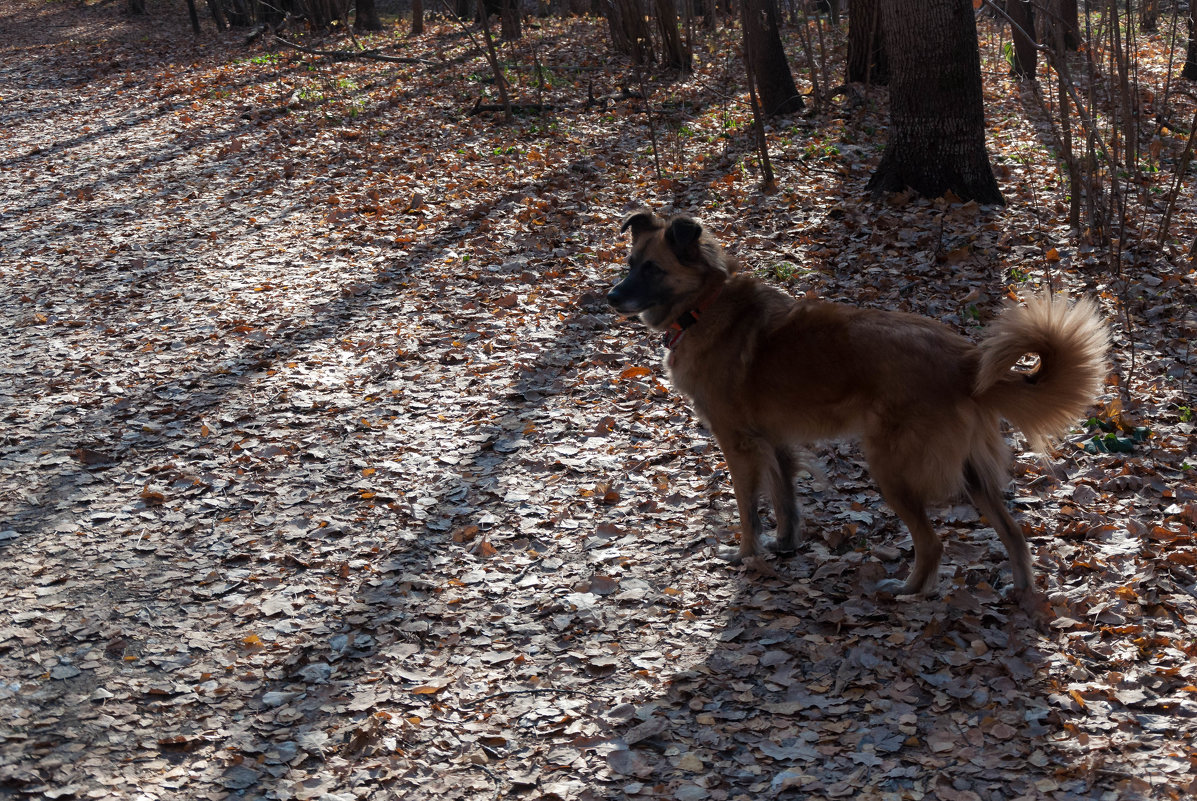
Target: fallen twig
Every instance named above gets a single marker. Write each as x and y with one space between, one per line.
537 691
369 55
482 108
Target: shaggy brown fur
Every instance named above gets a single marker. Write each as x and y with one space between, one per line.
767 373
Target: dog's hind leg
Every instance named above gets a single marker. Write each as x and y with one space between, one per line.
985 490
897 476
785 505
927 547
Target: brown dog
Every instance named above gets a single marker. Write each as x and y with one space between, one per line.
767 373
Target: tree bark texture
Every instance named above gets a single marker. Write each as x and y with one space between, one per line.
867 62
1149 15
195 23
762 41
629 31
1022 14
510 27
365 18
1066 15
1190 68
673 52
937 118
417 17
222 24
322 13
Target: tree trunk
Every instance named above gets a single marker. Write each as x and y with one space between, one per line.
217 10
195 25
493 58
673 52
1149 15
629 31
417 17
762 42
768 179
1022 15
866 50
937 118
366 17
137 7
710 14
322 13
1067 16
509 21
1190 68
239 14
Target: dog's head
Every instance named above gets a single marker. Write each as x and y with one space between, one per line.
674 263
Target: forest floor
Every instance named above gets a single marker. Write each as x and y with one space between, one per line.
327 474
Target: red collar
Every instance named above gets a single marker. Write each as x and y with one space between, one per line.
689 318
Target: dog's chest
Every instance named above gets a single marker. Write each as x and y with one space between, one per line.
703 384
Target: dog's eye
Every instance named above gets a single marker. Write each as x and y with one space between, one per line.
650 267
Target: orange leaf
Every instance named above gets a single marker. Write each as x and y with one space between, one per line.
152 497
634 372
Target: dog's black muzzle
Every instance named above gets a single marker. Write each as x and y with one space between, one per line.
620 299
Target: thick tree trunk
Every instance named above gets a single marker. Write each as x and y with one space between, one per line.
417 17
710 14
366 17
1022 14
774 81
866 50
937 120
510 29
1067 16
1190 68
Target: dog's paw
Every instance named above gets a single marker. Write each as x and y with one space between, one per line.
760 566
730 555
891 587
896 587
782 547
1034 604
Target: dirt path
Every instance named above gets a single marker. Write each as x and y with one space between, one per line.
326 474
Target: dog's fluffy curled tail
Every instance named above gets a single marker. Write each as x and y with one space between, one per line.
1071 341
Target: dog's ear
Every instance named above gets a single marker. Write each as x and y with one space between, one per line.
682 233
640 222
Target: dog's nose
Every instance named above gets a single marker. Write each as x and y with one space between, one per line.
614 296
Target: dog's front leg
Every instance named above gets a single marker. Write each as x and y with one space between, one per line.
785 505
745 464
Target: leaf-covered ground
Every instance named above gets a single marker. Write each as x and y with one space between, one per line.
326 473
